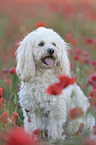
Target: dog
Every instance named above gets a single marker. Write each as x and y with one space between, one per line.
41 57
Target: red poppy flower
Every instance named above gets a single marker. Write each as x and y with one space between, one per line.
93 93
1 92
86 54
93 62
89 41
78 51
1 99
74 41
94 130
14 117
68 37
36 135
7 80
4 117
18 136
56 88
81 129
89 141
75 113
92 80
40 24
12 70
71 66
77 57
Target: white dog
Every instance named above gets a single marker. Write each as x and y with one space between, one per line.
41 58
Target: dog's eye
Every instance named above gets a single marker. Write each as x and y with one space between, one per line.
41 44
54 44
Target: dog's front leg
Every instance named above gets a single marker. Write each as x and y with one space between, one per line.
32 120
56 121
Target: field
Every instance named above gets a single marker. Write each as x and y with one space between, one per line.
75 21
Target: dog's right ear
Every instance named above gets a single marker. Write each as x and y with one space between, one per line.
25 61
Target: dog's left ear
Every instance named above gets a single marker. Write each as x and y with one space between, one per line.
64 61
25 61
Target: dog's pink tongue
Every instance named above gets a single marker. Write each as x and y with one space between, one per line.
49 61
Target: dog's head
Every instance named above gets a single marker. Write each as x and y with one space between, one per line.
44 48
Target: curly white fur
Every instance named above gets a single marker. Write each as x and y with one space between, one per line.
45 111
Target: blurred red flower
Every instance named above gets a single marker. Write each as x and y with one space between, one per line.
14 117
77 57
89 41
92 93
75 113
93 62
94 130
81 129
74 41
86 54
68 37
1 92
5 70
89 141
18 136
12 70
56 88
4 117
36 135
1 99
40 24
7 80
92 80
71 66
78 51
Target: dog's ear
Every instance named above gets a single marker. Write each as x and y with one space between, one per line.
64 61
25 61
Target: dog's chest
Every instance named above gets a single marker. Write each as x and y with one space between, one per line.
34 96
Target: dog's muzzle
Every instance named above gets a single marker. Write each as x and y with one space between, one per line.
49 59
50 51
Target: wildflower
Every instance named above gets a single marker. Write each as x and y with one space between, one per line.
1 92
89 41
14 117
89 141
68 37
12 70
94 130
4 117
81 129
1 99
86 60
71 66
92 62
18 136
92 93
56 88
78 51
7 80
5 70
75 113
86 54
40 24
93 102
77 57
74 41
37 134
92 80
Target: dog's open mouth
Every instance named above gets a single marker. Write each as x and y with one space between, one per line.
48 60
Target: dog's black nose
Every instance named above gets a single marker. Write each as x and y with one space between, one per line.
50 51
